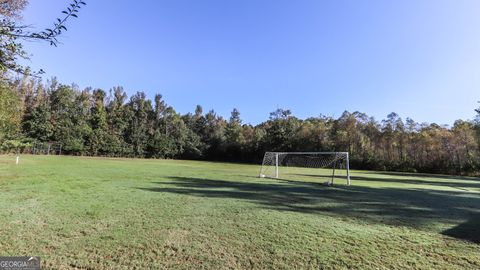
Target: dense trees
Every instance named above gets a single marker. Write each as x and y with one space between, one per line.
10 112
100 123
26 109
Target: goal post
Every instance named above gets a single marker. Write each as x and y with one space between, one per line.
46 148
295 164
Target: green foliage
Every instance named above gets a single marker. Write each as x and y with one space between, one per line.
14 146
169 135
280 131
10 112
69 117
99 139
234 137
137 133
118 116
37 123
92 122
233 130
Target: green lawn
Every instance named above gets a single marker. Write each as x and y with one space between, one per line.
94 213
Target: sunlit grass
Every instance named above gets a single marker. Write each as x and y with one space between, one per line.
98 213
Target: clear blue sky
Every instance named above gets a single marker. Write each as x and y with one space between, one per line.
420 59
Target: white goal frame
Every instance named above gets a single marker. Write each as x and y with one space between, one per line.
332 163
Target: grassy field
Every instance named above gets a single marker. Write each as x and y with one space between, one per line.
93 213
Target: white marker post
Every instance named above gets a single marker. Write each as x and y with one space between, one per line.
276 165
18 159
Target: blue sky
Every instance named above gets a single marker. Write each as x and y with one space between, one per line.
420 59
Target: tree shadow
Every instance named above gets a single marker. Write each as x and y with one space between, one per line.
453 183
418 208
427 175
469 230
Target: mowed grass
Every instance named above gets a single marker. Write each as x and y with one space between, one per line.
94 213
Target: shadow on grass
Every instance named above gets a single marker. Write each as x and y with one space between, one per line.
469 230
393 206
453 182
427 175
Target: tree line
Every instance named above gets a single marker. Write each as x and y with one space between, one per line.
110 123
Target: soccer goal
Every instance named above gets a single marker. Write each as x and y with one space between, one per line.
46 148
310 164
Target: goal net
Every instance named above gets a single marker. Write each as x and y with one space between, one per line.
292 165
46 148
